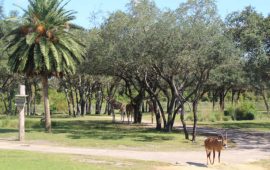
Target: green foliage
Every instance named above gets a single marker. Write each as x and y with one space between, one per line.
44 43
57 101
246 111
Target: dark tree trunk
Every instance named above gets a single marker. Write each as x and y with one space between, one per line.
222 100
28 90
68 102
158 117
35 98
82 101
10 96
137 104
89 105
213 101
182 118
106 110
265 100
5 104
238 96
170 108
195 115
233 94
143 110
73 103
98 102
45 85
77 103
162 114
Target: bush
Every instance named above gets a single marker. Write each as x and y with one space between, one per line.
230 112
250 116
246 111
226 118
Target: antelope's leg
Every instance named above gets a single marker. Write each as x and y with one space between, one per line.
208 154
214 155
219 156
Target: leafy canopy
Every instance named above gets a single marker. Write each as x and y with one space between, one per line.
43 44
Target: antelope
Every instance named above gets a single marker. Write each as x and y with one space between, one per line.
215 144
118 105
129 110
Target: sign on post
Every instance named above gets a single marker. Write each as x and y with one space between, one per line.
20 101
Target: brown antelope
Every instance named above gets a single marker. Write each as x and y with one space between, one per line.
129 110
215 144
118 105
151 109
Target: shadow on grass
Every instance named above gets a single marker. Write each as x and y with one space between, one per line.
106 130
242 125
8 130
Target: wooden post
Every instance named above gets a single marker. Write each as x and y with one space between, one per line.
21 116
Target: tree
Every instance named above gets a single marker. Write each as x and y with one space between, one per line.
43 45
249 31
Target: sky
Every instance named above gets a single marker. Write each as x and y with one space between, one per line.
86 8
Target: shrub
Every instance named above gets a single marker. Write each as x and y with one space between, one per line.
230 112
226 118
250 116
246 111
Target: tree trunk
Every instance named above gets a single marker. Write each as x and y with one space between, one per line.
35 98
68 102
232 100
98 102
28 98
195 115
222 100
157 113
89 104
82 101
170 112
182 118
72 102
213 101
143 110
137 107
265 101
77 103
137 113
4 102
45 85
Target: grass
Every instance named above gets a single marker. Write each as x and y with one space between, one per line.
99 131
254 125
23 160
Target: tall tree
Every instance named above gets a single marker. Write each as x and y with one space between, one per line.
249 33
43 45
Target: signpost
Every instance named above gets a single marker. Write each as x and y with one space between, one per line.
20 101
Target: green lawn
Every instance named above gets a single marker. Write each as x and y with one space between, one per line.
99 131
12 160
254 125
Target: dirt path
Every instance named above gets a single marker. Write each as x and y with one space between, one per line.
250 147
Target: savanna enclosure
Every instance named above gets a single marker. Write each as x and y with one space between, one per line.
144 81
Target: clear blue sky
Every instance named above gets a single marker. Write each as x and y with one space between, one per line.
87 7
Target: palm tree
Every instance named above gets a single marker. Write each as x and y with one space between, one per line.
43 45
